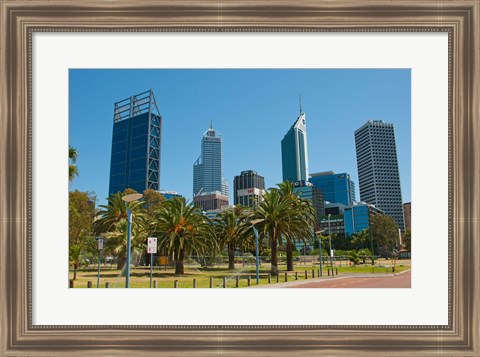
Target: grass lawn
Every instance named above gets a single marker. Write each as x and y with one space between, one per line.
140 276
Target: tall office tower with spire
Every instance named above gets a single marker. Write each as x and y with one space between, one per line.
377 164
207 170
135 160
294 150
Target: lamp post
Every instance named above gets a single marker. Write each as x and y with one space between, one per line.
371 240
320 273
255 230
330 242
129 198
99 248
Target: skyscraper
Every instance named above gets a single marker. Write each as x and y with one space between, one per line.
248 188
207 170
377 165
294 151
135 160
336 188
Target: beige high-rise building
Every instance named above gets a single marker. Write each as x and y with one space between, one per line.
407 215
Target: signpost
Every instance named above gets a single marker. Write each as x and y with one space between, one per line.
99 247
151 249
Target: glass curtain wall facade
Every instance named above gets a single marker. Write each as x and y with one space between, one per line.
377 165
336 188
207 170
136 141
357 217
294 151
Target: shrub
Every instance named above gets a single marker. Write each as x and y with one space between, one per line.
353 257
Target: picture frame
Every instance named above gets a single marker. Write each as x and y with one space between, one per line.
20 19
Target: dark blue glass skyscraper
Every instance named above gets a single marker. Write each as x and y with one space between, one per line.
135 162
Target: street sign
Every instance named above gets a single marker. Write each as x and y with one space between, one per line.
100 243
152 245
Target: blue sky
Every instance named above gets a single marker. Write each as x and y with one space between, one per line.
251 108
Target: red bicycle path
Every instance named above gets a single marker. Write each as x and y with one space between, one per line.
402 280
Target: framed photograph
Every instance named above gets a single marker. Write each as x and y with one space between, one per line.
59 60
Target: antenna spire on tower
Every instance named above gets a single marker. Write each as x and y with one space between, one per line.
300 100
211 124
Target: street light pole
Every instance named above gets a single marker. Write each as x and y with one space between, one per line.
320 273
330 242
371 240
129 198
255 230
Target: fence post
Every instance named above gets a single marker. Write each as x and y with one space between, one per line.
107 285
306 274
89 284
211 282
70 284
175 284
248 280
328 271
286 277
269 278
313 273
296 275
278 277
236 281
194 283
155 285
336 271
224 282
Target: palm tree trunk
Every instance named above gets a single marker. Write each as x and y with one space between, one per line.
231 259
75 272
121 260
274 264
289 249
179 268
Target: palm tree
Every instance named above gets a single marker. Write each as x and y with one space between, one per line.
304 213
116 242
111 222
274 215
231 232
182 229
75 258
283 217
72 159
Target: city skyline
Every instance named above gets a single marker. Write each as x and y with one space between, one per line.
251 128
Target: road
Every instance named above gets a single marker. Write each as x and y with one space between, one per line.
402 280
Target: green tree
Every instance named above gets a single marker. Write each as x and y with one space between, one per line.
72 160
364 254
182 229
407 240
360 239
152 201
385 233
231 232
81 213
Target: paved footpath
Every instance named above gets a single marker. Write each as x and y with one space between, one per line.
402 280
